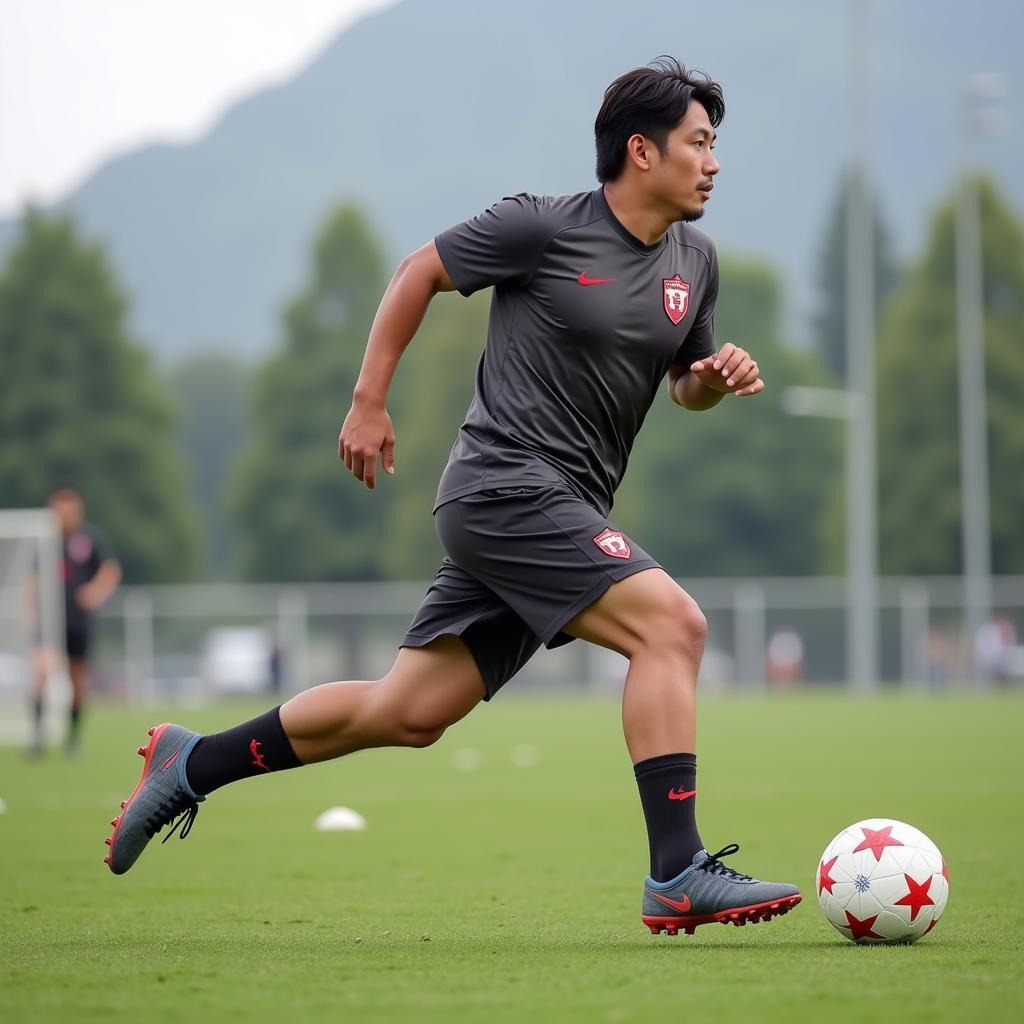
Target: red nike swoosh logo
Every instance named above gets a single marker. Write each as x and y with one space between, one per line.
681 794
681 905
583 279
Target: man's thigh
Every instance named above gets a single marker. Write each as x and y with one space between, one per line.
542 551
458 607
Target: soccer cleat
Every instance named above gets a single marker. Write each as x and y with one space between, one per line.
708 891
162 796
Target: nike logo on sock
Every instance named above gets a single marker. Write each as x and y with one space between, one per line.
681 794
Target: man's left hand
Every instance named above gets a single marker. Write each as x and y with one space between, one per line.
729 371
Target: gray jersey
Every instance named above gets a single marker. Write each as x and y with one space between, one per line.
585 322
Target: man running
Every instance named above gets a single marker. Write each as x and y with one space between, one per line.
598 298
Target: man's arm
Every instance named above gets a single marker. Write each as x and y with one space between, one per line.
704 383
93 594
367 431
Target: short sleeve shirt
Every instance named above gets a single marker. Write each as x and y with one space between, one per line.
85 550
585 321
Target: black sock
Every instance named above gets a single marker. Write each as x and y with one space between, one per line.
37 721
74 718
668 792
252 748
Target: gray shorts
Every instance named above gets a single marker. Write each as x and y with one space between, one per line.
520 562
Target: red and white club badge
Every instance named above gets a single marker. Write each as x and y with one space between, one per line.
611 542
677 297
79 547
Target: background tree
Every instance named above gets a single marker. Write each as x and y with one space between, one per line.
212 393
919 475
828 323
300 515
738 490
79 402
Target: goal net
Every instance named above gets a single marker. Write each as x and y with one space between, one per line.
31 616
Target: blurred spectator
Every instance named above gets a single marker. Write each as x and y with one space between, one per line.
785 661
940 656
993 647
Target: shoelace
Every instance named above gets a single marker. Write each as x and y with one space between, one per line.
713 865
178 811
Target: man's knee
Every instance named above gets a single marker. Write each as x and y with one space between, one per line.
415 703
677 625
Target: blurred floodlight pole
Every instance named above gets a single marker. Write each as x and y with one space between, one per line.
980 93
861 454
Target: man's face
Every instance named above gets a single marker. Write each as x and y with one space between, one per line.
67 507
682 178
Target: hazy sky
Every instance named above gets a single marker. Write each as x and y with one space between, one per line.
82 80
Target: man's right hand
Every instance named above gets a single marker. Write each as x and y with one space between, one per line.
366 433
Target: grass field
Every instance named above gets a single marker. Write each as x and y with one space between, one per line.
510 892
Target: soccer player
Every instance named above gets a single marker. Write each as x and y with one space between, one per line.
91 574
598 298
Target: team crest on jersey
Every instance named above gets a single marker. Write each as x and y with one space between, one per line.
611 542
677 297
79 547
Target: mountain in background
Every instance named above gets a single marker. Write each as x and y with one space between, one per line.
427 112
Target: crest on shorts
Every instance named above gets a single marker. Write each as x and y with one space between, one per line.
677 297
611 542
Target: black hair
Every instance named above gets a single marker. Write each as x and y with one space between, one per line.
649 101
64 488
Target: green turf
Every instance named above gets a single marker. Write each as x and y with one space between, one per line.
512 893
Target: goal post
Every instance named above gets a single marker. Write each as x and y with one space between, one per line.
31 612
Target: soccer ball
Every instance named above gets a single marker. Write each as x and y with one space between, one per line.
882 881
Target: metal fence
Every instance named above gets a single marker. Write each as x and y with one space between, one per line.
190 642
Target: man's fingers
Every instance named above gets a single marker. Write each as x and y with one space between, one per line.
388 456
752 389
735 366
722 356
356 464
368 458
346 456
743 375
746 379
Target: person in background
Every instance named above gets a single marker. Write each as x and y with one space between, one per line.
91 574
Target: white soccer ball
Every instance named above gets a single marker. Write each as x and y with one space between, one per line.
882 881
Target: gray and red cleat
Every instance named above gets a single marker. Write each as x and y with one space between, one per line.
162 795
708 891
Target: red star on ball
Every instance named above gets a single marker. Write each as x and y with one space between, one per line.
876 841
935 921
917 897
861 929
945 871
824 881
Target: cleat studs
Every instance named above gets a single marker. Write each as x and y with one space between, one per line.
114 821
141 751
123 802
151 731
107 840
106 860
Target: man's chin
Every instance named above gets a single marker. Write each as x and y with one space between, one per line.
691 215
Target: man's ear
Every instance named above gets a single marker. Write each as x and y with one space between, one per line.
638 150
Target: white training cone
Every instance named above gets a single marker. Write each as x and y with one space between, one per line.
340 819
